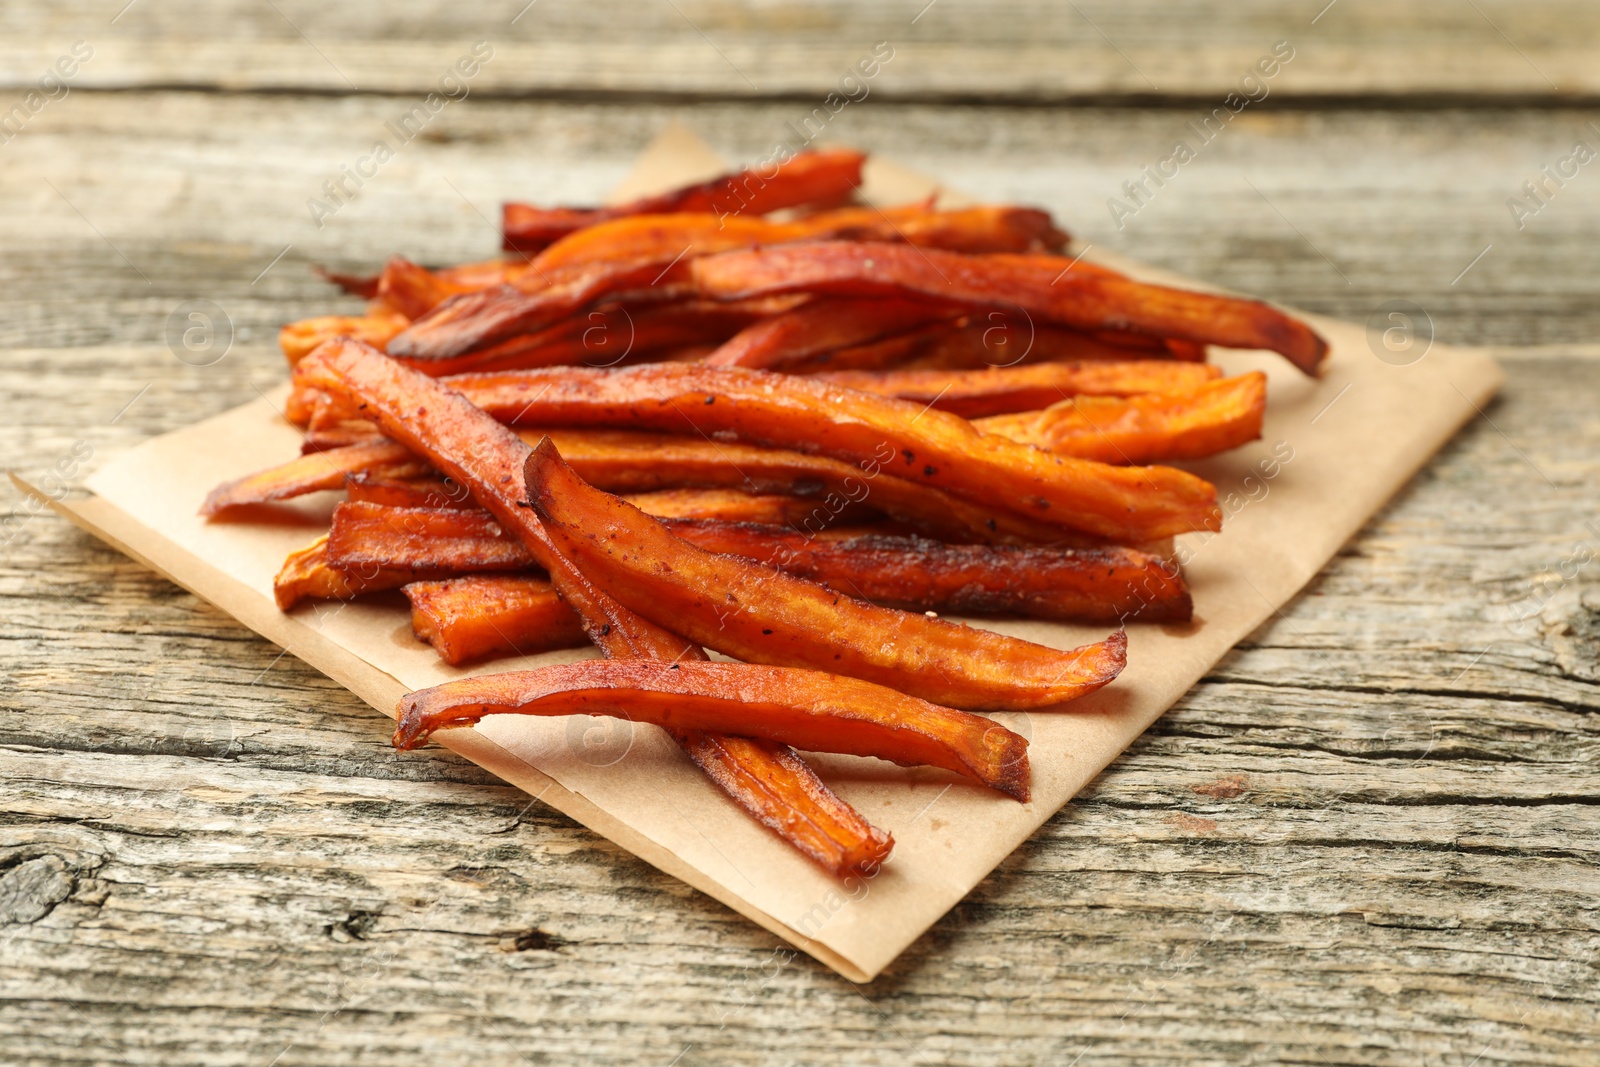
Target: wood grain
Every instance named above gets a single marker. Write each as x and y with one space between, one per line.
1368 837
193 196
1017 51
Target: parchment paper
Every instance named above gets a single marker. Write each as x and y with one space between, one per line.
1334 450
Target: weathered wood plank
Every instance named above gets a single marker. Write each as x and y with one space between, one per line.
1368 837
1331 211
1015 50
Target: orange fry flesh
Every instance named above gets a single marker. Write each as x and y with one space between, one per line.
733 505
307 575
607 334
365 536
1218 416
1090 585
994 338
1092 299
810 710
750 611
298 339
834 490
729 505
822 325
773 785
664 237
310 473
367 488
1111 584
1123 504
1002 391
639 252
758 485
478 616
820 176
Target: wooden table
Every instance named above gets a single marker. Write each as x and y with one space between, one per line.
1368 837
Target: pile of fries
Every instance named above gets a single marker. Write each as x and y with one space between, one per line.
686 423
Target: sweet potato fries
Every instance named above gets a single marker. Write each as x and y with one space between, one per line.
758 417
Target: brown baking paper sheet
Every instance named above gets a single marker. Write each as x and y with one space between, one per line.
1336 449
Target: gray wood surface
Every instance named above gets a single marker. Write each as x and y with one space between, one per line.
1368 837
1012 50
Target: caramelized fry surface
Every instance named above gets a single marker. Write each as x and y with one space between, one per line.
310 473
773 785
881 434
1218 416
823 176
1093 585
744 609
1091 299
822 325
807 709
478 616
1000 391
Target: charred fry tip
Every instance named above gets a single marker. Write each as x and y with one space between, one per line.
1010 750
416 726
811 710
1113 651
864 862
1317 362
1117 646
218 500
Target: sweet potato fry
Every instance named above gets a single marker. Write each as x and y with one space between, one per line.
662 238
643 251
996 338
328 433
659 239
413 290
605 335
1086 299
308 474
306 575
833 490
363 285
968 342
1110 584
478 616
807 709
734 505
761 485
823 176
297 339
744 609
1090 585
368 488
460 278
780 790
985 228
767 780
822 325
1218 416
928 447
1001 391
365 537
631 255
477 319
